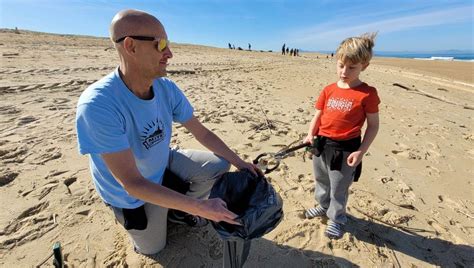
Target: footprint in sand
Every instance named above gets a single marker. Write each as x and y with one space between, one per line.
458 206
26 120
432 171
50 154
46 189
13 154
406 190
215 249
440 229
395 218
9 110
407 152
7 177
298 236
54 173
31 224
433 152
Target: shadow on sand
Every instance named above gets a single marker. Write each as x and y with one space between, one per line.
192 247
207 252
434 251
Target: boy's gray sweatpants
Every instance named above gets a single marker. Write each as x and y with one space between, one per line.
332 186
199 167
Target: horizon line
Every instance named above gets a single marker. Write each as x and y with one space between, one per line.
225 46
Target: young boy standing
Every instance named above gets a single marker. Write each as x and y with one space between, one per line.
341 110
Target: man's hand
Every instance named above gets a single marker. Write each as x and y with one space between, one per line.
215 209
354 158
251 167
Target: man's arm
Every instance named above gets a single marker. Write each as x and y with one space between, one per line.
216 145
123 167
371 131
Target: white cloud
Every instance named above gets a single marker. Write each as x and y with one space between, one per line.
334 32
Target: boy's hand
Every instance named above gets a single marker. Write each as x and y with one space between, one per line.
309 139
354 158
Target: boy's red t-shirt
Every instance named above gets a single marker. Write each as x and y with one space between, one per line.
343 110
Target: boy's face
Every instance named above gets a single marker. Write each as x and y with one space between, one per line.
348 72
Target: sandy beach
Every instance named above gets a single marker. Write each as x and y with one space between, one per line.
413 205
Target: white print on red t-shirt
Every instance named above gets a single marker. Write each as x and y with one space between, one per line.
342 105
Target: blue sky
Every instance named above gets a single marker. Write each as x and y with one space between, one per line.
318 25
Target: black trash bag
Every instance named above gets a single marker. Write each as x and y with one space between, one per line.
235 252
253 199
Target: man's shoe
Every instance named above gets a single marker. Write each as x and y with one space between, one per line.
183 218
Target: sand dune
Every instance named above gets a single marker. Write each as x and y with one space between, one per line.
413 206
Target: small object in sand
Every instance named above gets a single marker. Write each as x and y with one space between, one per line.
399 85
58 256
10 54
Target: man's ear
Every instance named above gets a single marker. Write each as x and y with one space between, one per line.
365 66
129 45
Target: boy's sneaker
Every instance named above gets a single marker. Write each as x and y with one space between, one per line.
318 211
180 217
334 230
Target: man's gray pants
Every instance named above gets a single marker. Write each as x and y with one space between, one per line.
332 186
198 167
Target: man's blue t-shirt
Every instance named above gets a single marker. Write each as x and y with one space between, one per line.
110 118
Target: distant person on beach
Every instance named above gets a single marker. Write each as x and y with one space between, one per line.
335 132
250 47
283 49
287 50
124 123
230 46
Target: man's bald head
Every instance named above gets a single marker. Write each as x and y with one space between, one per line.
134 22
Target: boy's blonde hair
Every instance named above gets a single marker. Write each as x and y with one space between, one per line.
357 49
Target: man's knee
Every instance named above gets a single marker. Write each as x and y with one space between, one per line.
213 164
224 166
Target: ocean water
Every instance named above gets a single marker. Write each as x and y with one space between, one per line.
428 56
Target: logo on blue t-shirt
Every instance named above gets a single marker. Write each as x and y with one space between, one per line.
154 134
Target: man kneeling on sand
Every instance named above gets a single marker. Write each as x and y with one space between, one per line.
124 124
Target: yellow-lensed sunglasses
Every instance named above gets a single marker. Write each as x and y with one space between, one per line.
162 43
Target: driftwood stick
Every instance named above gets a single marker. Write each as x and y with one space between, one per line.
462 212
266 120
409 230
396 258
45 260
